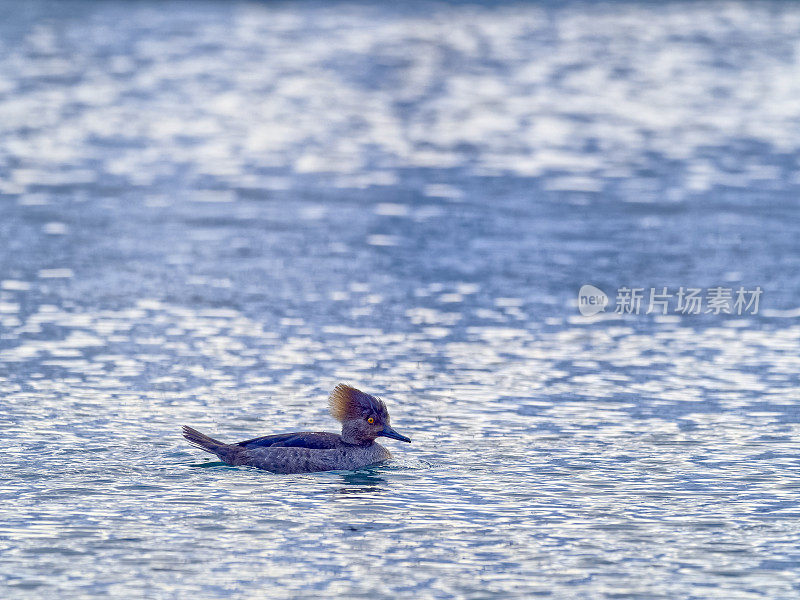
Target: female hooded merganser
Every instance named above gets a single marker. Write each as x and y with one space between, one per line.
363 418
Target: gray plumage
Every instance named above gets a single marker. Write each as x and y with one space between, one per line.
363 417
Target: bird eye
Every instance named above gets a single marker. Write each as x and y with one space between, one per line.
370 420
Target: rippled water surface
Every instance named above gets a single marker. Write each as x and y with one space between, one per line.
211 213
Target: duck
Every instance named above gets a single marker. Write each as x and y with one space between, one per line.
363 417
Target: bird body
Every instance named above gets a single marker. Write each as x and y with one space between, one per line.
363 417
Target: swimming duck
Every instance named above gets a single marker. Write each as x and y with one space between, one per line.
363 418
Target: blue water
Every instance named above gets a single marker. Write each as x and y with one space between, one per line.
213 212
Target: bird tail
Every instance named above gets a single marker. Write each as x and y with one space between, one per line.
209 444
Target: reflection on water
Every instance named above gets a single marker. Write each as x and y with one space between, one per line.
362 482
213 213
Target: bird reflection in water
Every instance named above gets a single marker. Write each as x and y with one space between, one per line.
362 482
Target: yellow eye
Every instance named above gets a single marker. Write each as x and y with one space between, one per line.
370 420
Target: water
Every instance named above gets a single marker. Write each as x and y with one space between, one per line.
211 213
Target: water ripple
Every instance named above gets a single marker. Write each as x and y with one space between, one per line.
212 213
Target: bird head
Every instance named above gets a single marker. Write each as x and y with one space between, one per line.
363 417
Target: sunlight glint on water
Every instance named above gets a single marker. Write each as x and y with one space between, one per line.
213 213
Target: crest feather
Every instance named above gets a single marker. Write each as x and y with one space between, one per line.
347 402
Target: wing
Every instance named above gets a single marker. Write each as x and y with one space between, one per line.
303 439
